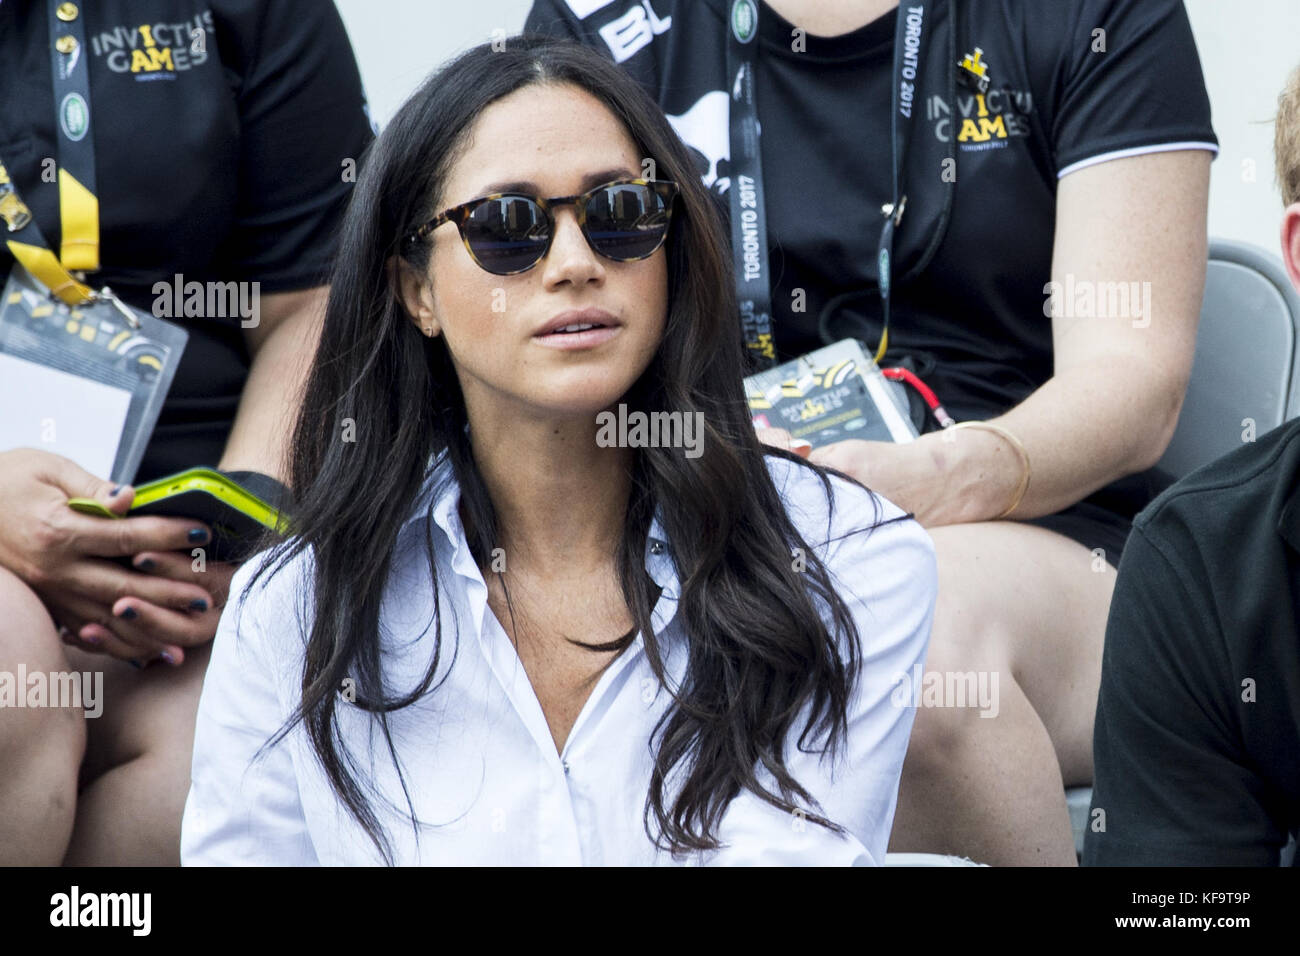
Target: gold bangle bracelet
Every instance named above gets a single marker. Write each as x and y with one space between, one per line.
1020 450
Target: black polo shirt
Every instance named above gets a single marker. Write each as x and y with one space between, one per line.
1060 98
1072 83
220 130
1197 742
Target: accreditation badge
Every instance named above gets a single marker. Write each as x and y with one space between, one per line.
830 395
83 381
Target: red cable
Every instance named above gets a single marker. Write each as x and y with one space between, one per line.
932 400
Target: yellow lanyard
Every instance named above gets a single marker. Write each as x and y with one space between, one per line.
78 205
80 212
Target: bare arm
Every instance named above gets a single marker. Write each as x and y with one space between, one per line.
282 345
1112 405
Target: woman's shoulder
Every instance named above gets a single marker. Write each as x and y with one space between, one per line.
844 520
267 610
881 562
813 495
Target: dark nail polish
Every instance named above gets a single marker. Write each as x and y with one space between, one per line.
112 492
145 564
198 536
137 665
198 604
128 613
167 656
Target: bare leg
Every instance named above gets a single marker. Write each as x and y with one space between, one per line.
137 772
1026 605
40 747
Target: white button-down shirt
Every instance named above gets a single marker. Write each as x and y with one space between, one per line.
477 753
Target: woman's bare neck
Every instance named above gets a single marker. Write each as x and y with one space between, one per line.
831 18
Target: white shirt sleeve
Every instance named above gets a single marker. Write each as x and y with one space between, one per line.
241 813
888 578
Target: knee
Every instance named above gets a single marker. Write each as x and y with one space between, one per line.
941 734
34 667
41 742
957 696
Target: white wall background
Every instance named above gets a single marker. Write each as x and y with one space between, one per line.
1247 48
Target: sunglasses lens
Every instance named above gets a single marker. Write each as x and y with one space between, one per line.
628 221
506 235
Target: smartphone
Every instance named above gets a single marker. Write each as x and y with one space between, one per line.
236 515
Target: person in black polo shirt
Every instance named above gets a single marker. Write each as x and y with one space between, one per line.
1079 172
1197 742
225 137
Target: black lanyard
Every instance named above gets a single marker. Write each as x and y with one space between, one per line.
70 67
908 50
748 205
78 203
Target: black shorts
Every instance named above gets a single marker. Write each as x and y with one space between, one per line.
1101 520
1090 525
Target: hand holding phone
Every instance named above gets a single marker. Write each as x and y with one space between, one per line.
237 515
236 509
65 557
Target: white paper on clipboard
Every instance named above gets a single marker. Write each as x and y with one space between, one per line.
73 416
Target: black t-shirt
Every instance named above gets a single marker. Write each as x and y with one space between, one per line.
978 309
1197 741
218 160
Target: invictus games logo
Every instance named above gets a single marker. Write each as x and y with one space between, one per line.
156 51
744 18
982 122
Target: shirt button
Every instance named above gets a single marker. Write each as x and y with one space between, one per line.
656 546
566 768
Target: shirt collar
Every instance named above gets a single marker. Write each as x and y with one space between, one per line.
441 493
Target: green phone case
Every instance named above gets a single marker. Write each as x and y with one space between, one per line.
236 516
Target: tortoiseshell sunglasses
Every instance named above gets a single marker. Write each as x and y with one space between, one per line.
509 233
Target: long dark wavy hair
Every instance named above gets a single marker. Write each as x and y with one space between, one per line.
759 651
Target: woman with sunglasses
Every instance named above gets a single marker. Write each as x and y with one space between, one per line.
493 638
184 106
1057 157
